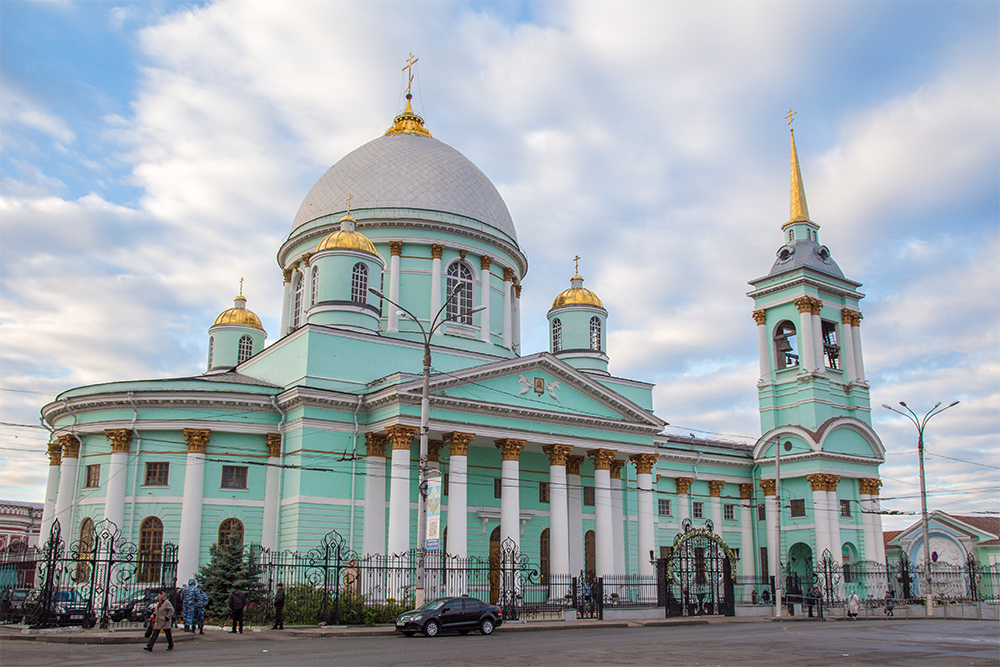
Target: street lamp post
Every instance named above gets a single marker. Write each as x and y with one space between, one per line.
920 424
425 423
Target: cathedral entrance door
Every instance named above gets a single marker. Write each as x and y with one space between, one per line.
495 565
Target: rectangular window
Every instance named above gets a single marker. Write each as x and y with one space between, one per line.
543 492
845 508
798 507
497 487
588 496
93 476
444 484
761 513
157 474
234 477
664 552
831 347
729 512
698 510
663 506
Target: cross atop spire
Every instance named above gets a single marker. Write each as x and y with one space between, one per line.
410 62
349 197
241 286
576 265
790 116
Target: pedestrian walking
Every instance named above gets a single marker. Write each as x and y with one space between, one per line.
161 619
189 597
200 602
811 600
853 606
279 608
237 602
889 603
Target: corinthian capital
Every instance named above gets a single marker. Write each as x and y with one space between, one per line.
120 439
557 454
401 436
644 463
510 448
197 439
602 458
459 443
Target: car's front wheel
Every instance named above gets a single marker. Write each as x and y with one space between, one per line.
486 626
432 628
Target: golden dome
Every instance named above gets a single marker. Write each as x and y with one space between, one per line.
346 238
577 295
239 314
408 122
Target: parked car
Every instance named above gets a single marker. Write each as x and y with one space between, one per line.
67 608
133 608
12 605
450 614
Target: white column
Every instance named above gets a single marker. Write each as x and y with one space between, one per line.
877 529
436 251
747 524
683 500
602 510
484 298
51 491
821 516
859 361
818 341
574 502
770 522
396 248
646 529
510 490
763 347
399 488
272 495
806 340
558 509
373 532
833 505
847 362
868 528
114 499
286 289
508 275
618 520
189 547
458 493
67 486
516 317
715 505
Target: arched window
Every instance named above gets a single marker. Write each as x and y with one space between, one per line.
211 349
85 550
460 274
246 348
150 551
297 302
791 235
359 283
543 555
590 553
595 333
785 355
556 335
315 287
231 531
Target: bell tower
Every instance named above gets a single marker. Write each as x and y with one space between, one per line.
808 328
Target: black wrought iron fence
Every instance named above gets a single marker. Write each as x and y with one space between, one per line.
99 579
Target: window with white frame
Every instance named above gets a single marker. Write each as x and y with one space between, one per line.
698 510
845 508
663 506
359 283
556 335
297 301
315 287
595 333
246 348
729 512
211 350
460 275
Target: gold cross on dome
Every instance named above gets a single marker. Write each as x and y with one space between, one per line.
410 62
576 265
789 117
349 197
241 287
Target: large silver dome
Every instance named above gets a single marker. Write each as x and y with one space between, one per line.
407 171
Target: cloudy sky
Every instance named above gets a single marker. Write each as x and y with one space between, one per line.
154 153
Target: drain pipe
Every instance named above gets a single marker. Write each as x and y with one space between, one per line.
281 472
354 468
135 468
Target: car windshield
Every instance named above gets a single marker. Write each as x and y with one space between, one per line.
433 604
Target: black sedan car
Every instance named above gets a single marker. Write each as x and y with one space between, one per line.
450 614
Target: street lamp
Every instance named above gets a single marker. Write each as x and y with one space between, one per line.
920 424
425 421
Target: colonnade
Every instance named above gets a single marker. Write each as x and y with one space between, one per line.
810 336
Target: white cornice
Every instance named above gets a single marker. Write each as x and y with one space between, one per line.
206 399
805 281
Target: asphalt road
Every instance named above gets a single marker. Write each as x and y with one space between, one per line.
745 644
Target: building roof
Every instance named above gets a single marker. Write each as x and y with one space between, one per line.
987 524
410 171
889 536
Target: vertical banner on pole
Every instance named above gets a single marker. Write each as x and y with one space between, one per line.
434 512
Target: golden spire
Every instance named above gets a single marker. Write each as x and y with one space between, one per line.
799 209
408 122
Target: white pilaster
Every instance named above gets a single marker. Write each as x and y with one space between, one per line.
763 348
646 528
770 521
189 546
817 323
51 492
618 524
821 521
683 499
67 486
272 500
399 490
868 528
510 502
393 319
574 502
516 317
458 507
373 533
286 289
747 522
715 511
833 511
484 299
859 361
507 305
877 529
847 362
436 251
114 500
807 357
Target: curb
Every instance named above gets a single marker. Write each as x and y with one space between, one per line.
85 638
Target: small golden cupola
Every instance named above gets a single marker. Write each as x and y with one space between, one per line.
577 295
347 238
578 327
236 335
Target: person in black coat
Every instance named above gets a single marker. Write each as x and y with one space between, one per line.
237 602
279 608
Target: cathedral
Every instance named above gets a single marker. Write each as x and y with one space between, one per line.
319 431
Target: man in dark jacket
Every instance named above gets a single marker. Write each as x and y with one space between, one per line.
237 602
279 608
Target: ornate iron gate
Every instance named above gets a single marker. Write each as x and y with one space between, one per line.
699 573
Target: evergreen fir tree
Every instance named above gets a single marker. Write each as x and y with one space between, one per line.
226 570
